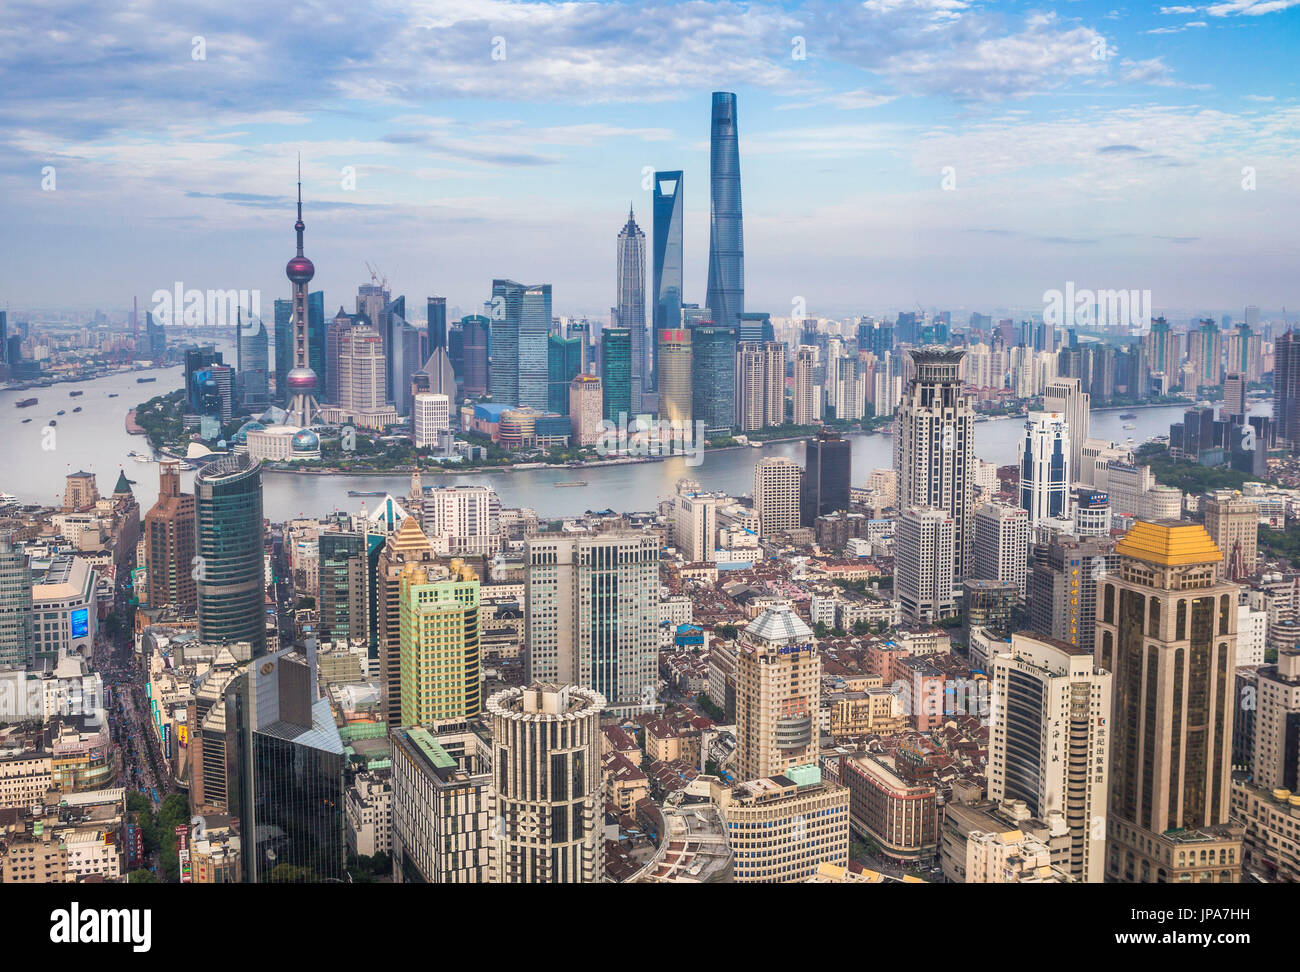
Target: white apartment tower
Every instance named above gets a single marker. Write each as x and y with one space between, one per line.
924 545
695 523
806 410
1045 467
1001 547
462 520
430 415
934 446
1047 741
777 482
1066 395
362 385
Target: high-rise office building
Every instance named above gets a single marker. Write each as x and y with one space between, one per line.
806 410
1045 468
1245 352
476 330
629 307
713 384
407 545
1063 584
342 322
778 695
1068 397
1048 740
1286 391
1205 354
342 587
755 327
251 358
228 569
1090 512
778 485
521 322
616 373
845 385
283 339
286 762
592 615
1167 631
563 364
15 604
586 409
666 294
934 445
675 375
1275 762
781 830
405 361
169 543
695 522
442 806
548 788
725 294
430 417
302 380
1000 548
392 315
924 549
760 385
828 467
361 382
441 661
436 325
1233 524
462 521
1235 406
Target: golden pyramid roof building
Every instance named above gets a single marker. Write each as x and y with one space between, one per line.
409 538
1170 543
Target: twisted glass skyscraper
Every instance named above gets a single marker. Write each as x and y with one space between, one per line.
725 295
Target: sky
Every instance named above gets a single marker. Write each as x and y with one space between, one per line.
894 153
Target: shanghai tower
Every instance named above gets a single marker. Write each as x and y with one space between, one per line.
725 294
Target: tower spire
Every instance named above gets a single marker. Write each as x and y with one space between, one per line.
299 226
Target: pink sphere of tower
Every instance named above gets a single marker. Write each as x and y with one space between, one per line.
299 270
302 379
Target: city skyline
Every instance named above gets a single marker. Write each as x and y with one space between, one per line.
1125 169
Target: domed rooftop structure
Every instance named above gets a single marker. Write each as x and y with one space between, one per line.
241 436
306 441
778 624
301 379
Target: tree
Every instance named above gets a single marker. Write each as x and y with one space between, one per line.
142 876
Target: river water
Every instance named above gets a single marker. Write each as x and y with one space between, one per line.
96 440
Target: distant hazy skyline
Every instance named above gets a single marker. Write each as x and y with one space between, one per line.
1086 142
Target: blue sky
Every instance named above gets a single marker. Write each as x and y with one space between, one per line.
1087 142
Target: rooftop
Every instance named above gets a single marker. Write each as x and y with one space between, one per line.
1170 543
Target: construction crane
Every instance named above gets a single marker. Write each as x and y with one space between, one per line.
377 277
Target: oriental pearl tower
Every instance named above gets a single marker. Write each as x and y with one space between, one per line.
303 410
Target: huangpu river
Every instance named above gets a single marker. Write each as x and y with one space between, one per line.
96 440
